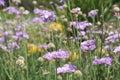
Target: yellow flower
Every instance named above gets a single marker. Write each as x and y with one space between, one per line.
56 27
73 56
104 52
32 48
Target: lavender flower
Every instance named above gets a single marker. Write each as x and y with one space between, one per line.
66 68
7 33
88 45
12 46
92 13
12 10
45 15
61 1
106 60
112 38
2 3
80 25
60 7
75 10
2 39
36 20
117 49
56 55
18 28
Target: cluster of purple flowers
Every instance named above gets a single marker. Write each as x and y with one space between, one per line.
45 15
88 45
56 55
2 3
12 10
66 68
106 60
80 25
112 38
9 38
117 49
92 13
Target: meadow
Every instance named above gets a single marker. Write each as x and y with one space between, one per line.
60 40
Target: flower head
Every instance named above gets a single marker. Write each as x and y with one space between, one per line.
56 55
2 3
66 68
92 13
106 60
88 45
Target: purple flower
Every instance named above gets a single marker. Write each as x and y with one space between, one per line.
48 16
106 60
4 47
2 39
61 1
12 46
2 3
25 35
88 45
92 13
60 7
107 47
7 33
12 10
18 28
66 68
45 15
36 20
117 49
75 10
112 38
44 46
80 25
56 55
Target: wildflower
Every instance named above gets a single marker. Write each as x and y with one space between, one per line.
36 20
112 38
117 49
80 25
59 77
12 46
34 2
78 73
40 59
32 48
45 15
106 60
26 12
88 45
92 13
60 7
2 39
66 69
45 46
2 3
18 28
45 72
8 33
20 61
56 55
51 45
12 10
75 10
56 27
73 56
61 1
